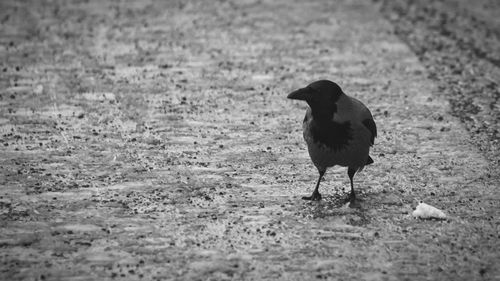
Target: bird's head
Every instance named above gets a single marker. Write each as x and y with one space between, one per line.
321 96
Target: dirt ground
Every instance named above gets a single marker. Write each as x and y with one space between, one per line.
153 140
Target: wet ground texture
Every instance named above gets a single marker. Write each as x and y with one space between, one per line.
153 140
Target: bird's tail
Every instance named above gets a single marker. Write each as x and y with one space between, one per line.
369 161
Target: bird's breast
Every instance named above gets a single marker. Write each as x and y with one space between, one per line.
344 144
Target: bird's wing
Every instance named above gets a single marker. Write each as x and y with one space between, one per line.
370 124
364 115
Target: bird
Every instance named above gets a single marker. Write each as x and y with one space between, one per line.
338 130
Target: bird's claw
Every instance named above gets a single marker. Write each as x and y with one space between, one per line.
351 201
314 197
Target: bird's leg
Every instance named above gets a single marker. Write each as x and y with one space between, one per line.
352 195
315 195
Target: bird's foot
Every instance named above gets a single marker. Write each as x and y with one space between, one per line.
314 197
352 202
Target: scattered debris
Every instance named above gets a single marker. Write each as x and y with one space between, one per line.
38 90
426 211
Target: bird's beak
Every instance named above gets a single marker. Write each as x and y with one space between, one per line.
300 94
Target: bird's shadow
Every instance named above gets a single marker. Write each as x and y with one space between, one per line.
335 206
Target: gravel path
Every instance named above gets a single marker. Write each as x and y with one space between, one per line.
153 140
459 44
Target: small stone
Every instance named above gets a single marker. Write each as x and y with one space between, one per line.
38 90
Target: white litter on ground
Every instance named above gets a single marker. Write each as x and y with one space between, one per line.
426 211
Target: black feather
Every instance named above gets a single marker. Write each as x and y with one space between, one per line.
330 133
370 124
369 160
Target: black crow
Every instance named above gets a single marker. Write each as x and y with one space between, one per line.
338 130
